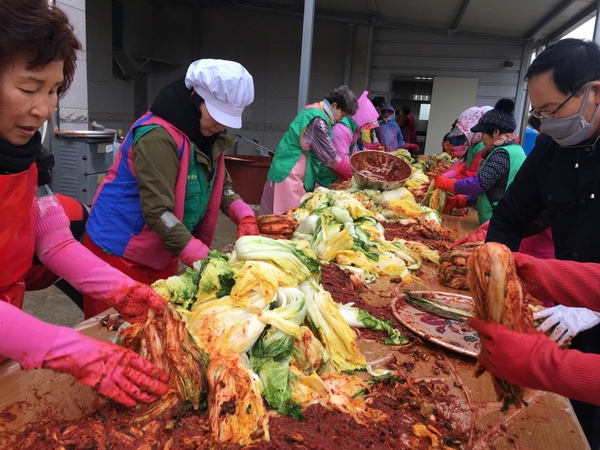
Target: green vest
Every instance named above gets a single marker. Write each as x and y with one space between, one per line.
197 192
198 188
348 122
472 151
485 204
289 151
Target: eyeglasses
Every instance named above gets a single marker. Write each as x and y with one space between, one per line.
552 114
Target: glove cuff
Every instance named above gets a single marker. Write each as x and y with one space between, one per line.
50 216
25 339
67 344
194 251
248 219
461 201
239 210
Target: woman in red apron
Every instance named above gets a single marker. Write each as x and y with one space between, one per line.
36 68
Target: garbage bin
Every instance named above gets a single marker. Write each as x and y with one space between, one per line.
249 174
82 160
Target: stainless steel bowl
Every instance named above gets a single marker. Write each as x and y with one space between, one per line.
379 170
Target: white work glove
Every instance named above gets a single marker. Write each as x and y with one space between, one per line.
568 321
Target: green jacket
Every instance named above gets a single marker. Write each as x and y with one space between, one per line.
157 165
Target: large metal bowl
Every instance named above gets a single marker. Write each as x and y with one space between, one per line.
379 170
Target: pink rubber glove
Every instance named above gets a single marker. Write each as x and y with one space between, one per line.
458 151
372 146
569 283
457 168
58 250
195 250
450 174
243 216
342 170
239 210
533 360
113 371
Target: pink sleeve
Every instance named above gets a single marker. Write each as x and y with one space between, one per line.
342 138
24 338
58 250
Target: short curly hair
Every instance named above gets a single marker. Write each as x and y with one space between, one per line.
39 32
344 98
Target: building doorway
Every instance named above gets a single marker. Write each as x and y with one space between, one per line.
414 92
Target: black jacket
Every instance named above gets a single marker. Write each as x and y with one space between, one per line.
563 180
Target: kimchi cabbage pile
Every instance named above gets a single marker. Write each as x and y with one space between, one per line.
270 333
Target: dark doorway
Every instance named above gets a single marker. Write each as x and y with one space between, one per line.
415 92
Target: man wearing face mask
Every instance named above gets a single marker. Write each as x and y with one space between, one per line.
562 175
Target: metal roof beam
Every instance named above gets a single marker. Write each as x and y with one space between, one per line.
588 11
548 19
461 13
308 24
358 19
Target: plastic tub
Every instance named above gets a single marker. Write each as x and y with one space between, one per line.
249 174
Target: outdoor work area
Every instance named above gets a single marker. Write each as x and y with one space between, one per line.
299 225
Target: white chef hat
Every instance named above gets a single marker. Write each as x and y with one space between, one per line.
225 86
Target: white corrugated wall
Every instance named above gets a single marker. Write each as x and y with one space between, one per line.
409 53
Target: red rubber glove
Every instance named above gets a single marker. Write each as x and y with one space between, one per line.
410 147
243 216
114 371
195 250
248 227
477 235
441 182
457 201
134 301
569 283
534 360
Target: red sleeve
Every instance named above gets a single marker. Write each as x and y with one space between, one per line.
569 283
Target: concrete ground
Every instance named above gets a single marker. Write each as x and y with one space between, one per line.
53 306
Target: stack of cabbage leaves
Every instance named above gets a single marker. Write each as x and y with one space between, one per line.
272 334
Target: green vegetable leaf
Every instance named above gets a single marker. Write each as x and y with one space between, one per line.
275 377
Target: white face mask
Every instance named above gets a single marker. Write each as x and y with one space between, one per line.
573 129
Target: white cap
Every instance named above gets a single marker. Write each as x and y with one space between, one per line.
225 86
